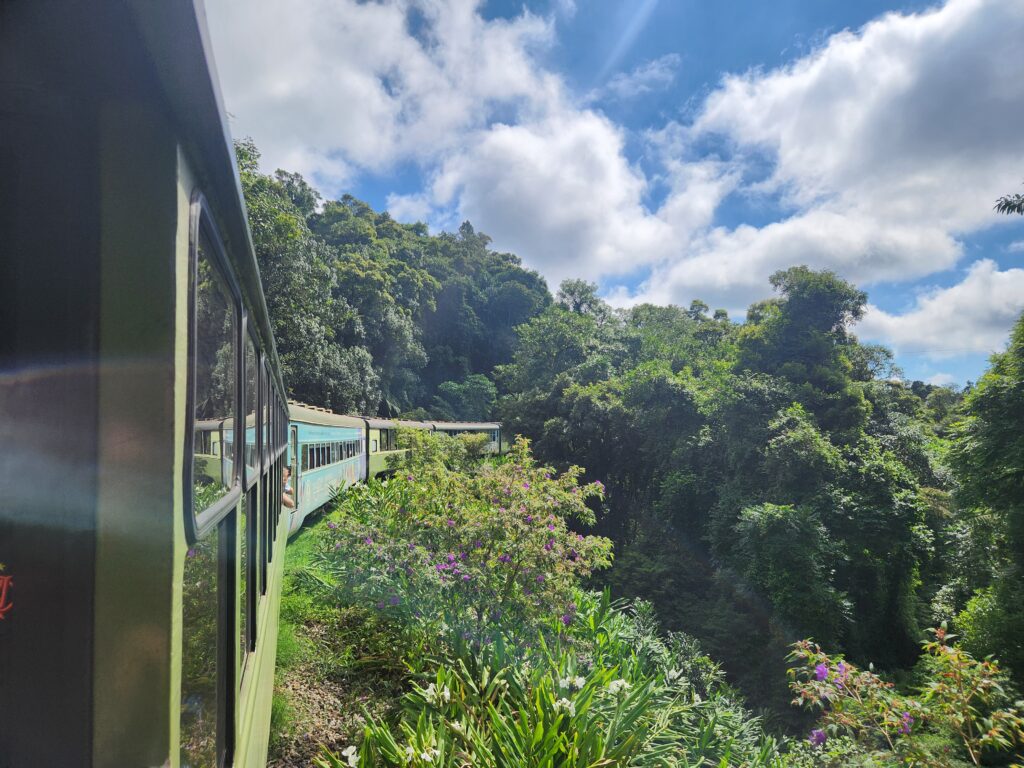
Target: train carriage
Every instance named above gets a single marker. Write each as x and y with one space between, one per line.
142 411
326 454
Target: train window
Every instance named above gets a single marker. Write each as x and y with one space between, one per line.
304 465
200 652
213 345
212 489
251 404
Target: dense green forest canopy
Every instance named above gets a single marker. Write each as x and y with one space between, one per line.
767 480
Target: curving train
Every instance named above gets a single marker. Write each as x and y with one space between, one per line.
144 419
328 452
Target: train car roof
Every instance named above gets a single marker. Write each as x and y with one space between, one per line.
179 43
307 414
465 425
392 423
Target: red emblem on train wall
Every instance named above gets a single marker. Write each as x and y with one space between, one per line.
6 584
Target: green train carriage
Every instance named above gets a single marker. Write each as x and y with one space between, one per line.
142 411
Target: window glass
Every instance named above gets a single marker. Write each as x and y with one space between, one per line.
251 390
200 652
214 398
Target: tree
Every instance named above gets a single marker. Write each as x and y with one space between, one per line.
1009 204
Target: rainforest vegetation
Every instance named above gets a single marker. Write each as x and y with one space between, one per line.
747 484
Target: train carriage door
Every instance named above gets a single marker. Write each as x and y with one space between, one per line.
295 463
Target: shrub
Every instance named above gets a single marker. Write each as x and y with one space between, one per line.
963 702
474 555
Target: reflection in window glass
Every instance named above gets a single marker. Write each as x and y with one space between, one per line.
199 663
251 459
214 382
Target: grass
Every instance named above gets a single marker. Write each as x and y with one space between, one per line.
334 663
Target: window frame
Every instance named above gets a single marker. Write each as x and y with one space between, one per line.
201 223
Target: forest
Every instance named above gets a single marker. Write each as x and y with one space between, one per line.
770 487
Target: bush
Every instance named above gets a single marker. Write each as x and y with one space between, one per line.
964 708
474 556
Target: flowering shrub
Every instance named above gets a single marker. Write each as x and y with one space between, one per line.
964 700
470 554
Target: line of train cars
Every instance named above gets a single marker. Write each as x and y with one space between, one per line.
328 451
144 421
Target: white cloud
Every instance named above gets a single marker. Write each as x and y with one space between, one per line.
942 379
653 75
887 145
971 317
558 191
1017 246
329 87
881 149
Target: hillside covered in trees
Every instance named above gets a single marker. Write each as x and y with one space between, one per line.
766 480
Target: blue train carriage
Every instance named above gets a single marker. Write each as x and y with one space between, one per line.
142 411
326 453
492 429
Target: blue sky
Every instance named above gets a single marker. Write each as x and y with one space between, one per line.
672 149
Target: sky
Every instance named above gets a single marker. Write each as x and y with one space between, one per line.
671 150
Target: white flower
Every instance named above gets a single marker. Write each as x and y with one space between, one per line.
617 685
410 753
458 727
567 705
426 757
435 696
579 682
351 754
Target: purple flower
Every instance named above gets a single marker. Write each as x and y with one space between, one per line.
380 606
191 553
412 546
821 672
567 619
338 545
505 558
573 554
540 579
550 545
526 486
547 475
906 722
551 526
817 737
451 558
466 577
451 523
529 518
394 600
477 544
368 541
410 478
332 525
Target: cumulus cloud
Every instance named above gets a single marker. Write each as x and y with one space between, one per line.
887 145
333 87
880 150
973 316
